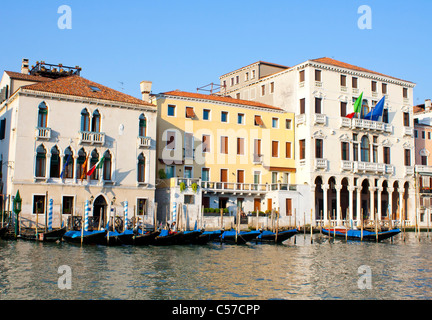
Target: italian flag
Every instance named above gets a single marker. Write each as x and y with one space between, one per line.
96 166
357 106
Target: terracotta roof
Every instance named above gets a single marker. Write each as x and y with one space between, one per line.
177 93
27 77
78 86
340 64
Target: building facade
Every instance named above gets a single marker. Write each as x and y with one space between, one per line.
55 127
218 152
352 166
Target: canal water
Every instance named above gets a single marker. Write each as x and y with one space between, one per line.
295 270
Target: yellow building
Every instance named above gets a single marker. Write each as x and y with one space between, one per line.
219 152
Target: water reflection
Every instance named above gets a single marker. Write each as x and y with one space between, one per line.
295 270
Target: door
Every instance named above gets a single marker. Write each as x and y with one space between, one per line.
269 205
288 207
240 179
224 178
257 204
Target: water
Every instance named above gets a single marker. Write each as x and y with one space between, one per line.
300 270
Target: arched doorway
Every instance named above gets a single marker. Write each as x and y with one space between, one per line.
319 204
395 201
385 201
365 199
331 198
405 201
100 208
344 199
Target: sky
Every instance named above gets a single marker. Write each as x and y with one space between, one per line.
189 44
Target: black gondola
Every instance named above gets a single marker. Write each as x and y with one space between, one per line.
54 235
146 238
239 238
359 235
190 236
89 237
272 237
167 238
207 236
3 232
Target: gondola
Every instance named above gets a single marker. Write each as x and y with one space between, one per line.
271 237
352 234
190 236
146 238
54 235
3 232
241 238
166 238
126 237
207 236
89 237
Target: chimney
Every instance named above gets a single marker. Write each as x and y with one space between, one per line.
145 90
25 66
428 105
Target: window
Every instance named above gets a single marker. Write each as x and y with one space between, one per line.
67 205
206 114
429 135
189 199
68 167
423 135
319 149
258 121
355 83
188 145
240 146
343 80
38 204
224 116
40 162
415 134
384 88
224 145
272 87
188 172
94 159
302 149
247 76
405 93
385 117
253 74
237 79
365 149
141 168
2 129
257 177
275 149
85 121
406 119
274 177
374 153
55 163
42 115
238 95
170 172
257 148
263 90
205 174
424 161
302 106
170 140
275 123
386 151
240 118
288 124
302 76
82 164
171 110
374 86
142 126
317 75
407 157
96 122
190 114
288 150
343 109
345 151
206 143
318 105
142 207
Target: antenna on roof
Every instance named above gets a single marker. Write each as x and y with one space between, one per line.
213 86
121 85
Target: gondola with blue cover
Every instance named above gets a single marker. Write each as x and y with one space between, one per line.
241 237
88 237
359 235
271 237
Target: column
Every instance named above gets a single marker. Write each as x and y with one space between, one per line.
390 201
338 204
379 209
314 205
359 213
400 192
75 168
350 205
372 203
325 188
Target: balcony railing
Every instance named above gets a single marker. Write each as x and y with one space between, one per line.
257 159
236 187
409 170
369 167
423 169
347 165
300 119
43 133
364 124
144 142
320 119
91 137
321 164
408 131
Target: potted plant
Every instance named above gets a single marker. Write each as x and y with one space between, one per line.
182 186
194 187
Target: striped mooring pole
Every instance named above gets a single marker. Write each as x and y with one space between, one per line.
175 214
50 214
126 209
86 216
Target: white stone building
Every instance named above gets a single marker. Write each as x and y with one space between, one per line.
351 165
55 126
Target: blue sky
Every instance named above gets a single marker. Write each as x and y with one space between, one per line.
188 44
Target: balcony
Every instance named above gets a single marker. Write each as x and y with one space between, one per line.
320 119
409 170
369 167
318 84
300 119
321 164
244 188
344 89
423 169
347 165
91 137
408 131
362 124
144 142
43 133
257 159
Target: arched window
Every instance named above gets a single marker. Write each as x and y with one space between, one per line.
365 149
42 115
95 126
40 162
85 120
141 168
107 166
365 108
81 164
55 163
68 164
142 126
94 159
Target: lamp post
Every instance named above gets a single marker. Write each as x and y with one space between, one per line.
17 203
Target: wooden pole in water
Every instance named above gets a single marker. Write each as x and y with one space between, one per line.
304 224
428 218
82 226
257 219
311 228
154 216
277 224
361 224
321 222
46 211
37 222
221 217
376 225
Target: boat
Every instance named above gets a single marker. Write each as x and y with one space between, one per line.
241 237
126 237
272 237
54 235
89 237
3 232
208 236
145 238
166 238
190 236
352 234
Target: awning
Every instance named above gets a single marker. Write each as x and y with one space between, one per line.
190 112
259 121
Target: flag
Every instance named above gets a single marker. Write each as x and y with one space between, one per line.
65 166
357 106
84 169
96 166
377 111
